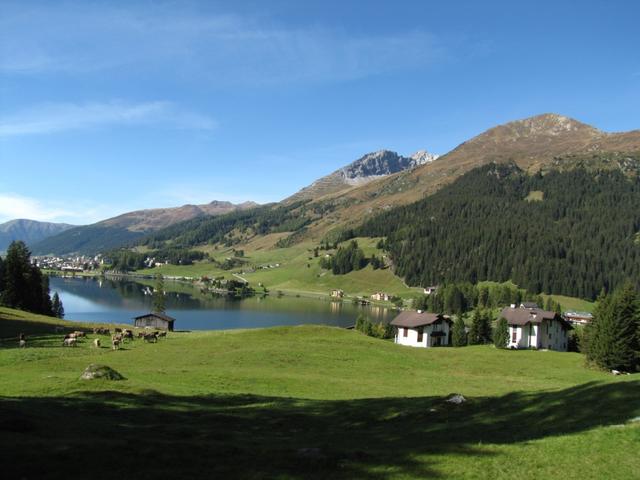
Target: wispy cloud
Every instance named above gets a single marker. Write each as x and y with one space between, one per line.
13 206
180 41
56 117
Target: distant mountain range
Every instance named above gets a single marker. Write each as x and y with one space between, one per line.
29 231
126 228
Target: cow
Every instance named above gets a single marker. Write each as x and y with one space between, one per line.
22 343
127 334
96 343
115 343
118 330
70 342
151 337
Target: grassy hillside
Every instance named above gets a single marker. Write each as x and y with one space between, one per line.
311 402
295 269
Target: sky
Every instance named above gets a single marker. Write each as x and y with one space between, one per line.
108 107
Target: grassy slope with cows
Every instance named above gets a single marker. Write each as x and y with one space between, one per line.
307 402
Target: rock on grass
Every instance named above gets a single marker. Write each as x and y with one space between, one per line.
94 371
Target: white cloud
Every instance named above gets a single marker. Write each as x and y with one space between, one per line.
56 117
14 206
177 40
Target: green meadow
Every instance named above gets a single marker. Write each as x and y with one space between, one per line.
306 402
295 269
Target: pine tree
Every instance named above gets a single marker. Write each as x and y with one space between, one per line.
458 333
612 341
158 295
56 306
480 331
501 333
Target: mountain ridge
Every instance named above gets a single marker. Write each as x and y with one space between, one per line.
126 228
29 231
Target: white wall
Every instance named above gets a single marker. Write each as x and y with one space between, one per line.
547 335
411 339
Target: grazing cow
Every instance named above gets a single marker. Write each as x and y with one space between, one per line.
151 337
79 334
142 334
70 342
162 334
96 343
22 343
115 343
127 334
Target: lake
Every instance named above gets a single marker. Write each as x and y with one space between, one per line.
118 301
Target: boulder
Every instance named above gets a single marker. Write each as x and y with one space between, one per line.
94 371
456 399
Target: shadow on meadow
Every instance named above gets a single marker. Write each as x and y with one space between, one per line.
151 435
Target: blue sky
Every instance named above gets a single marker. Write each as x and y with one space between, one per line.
107 107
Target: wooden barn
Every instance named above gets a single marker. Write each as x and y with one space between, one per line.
155 320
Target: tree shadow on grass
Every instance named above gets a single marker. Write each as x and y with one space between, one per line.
151 435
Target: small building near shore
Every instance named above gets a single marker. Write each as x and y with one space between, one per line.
381 297
422 329
337 293
155 320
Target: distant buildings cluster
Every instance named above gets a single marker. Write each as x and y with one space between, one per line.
69 264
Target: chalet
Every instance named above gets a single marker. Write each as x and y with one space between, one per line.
536 328
578 318
155 320
381 297
422 329
430 290
337 293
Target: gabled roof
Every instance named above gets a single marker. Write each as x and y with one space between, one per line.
417 319
528 305
161 316
522 316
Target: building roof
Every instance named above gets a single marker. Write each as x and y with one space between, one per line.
522 316
161 316
528 305
417 319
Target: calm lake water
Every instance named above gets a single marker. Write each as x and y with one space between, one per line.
118 301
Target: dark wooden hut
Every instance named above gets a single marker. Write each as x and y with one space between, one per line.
155 320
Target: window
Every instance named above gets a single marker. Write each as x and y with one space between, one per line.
514 334
406 332
420 331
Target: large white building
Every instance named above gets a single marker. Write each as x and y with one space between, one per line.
536 328
422 329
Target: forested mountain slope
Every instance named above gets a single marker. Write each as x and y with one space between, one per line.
568 232
127 228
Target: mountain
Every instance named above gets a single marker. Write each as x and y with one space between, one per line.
128 227
364 170
547 141
29 231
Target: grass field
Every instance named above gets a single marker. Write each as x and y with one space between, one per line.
307 402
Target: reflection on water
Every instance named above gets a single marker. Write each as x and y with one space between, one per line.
118 301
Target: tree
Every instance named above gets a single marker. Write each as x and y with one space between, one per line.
158 295
459 334
612 335
24 286
480 332
501 333
56 306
